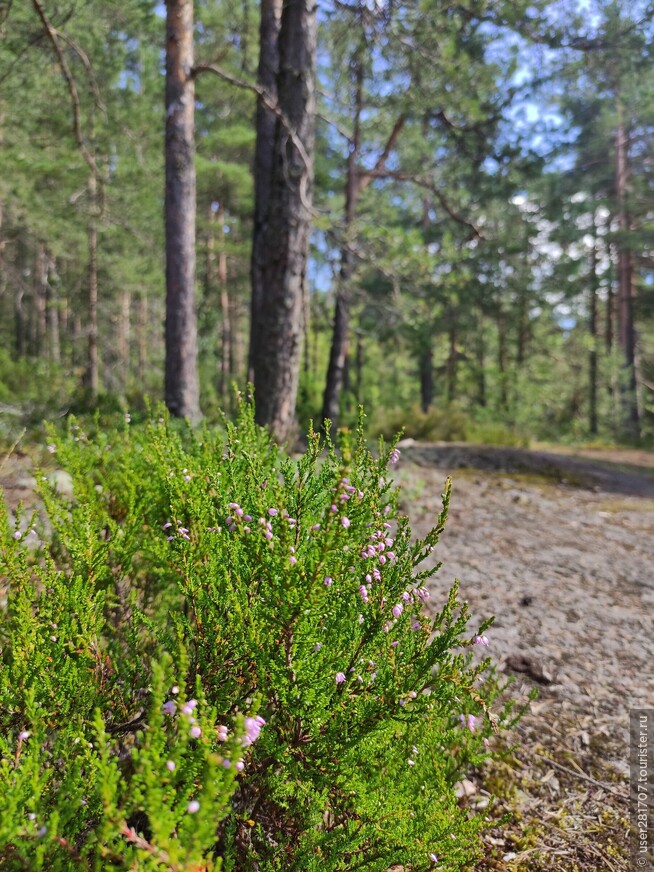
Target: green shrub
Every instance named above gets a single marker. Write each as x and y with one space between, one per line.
448 424
220 658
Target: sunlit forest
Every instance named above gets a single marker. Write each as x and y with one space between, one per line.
326 435
480 261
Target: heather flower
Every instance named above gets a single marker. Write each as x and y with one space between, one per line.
193 806
395 455
171 766
345 522
17 534
316 527
340 678
189 707
227 763
222 733
252 730
433 858
195 732
272 512
240 765
397 610
480 640
292 560
52 448
411 762
363 591
25 734
328 580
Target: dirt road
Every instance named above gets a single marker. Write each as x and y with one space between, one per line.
561 550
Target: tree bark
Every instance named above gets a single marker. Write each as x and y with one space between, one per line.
142 326
124 329
271 14
340 334
225 330
626 287
91 374
592 329
426 374
182 391
52 307
284 252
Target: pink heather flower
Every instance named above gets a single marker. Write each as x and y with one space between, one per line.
247 518
234 506
423 594
345 522
376 574
433 858
240 766
363 591
334 508
480 640
387 626
397 610
25 734
193 806
406 596
229 520
390 555
369 579
272 512
340 678
252 730
187 478
486 742
169 708
195 732
470 722
239 512
227 763
222 733
413 695
268 535
292 560
395 455
189 707
328 580
171 766
167 526
411 762
382 559
416 625
52 448
361 619
317 647
17 534
316 527
394 644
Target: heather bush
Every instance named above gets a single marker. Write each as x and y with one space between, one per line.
218 657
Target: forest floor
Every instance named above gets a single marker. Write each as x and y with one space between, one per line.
559 546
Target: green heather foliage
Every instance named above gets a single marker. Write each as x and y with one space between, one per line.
203 668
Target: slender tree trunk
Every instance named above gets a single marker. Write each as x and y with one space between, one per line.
142 341
359 367
91 374
341 329
124 330
182 390
52 305
501 359
452 360
271 14
40 301
592 328
226 330
426 374
626 287
278 345
480 349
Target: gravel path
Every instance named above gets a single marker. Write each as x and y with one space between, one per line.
569 574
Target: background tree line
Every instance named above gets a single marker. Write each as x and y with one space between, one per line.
440 210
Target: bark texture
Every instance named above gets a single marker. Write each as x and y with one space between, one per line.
181 382
271 15
276 349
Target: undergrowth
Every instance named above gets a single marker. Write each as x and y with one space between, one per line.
217 657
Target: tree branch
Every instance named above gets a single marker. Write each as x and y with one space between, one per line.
366 176
72 88
401 176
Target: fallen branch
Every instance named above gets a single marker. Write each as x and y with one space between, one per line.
581 775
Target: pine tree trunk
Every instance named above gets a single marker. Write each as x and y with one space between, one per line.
626 287
284 252
181 381
480 348
52 305
142 341
124 329
226 330
426 374
592 329
452 360
40 301
91 374
271 14
501 360
341 329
